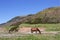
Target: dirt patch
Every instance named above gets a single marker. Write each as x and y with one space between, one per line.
2 29
24 29
28 29
42 29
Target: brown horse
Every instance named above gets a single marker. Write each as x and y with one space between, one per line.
35 30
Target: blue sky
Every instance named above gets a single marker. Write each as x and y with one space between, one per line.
12 8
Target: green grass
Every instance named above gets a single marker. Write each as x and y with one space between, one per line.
49 27
34 37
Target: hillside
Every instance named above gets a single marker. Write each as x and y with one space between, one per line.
49 15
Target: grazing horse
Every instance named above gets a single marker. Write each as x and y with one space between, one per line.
16 24
13 29
35 30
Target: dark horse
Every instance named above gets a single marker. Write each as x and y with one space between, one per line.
13 29
35 30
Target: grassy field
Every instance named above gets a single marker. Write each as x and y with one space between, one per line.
49 27
35 37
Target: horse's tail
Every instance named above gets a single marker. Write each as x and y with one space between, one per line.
39 31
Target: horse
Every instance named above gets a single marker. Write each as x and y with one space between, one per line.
13 29
35 30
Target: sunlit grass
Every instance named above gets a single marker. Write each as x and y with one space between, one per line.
34 37
49 27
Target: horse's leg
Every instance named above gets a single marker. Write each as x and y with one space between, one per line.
16 30
31 31
10 31
39 31
36 31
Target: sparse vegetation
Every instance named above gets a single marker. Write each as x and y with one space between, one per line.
35 37
49 27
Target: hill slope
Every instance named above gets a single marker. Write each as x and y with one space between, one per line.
49 15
